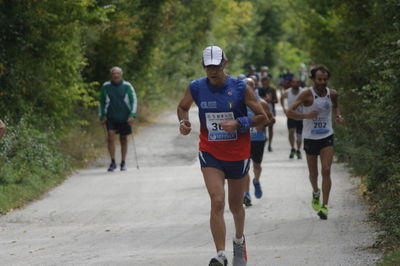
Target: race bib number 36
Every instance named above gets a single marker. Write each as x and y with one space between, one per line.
215 131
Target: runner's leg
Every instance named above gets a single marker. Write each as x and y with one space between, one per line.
111 143
326 156
299 137
270 135
123 139
312 163
291 137
236 190
298 140
247 183
215 180
257 171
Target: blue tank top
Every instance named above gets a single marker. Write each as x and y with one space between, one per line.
256 135
216 105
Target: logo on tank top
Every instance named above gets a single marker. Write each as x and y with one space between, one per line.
208 105
230 93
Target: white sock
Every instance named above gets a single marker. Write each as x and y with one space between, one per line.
316 193
221 253
238 241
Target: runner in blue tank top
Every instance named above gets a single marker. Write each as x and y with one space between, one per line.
224 145
258 139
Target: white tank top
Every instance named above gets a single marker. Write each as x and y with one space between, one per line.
292 98
321 126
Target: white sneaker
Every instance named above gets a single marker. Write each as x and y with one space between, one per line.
239 254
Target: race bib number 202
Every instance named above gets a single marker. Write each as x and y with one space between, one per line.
319 126
215 131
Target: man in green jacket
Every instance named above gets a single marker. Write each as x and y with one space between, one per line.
118 106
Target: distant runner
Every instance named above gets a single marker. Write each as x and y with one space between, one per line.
295 126
224 145
258 139
319 102
118 105
272 100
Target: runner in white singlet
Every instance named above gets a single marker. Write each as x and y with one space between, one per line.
319 102
295 126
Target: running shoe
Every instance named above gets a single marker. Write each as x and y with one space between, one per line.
247 200
257 189
323 212
218 261
315 201
298 153
112 167
292 153
269 148
239 254
123 167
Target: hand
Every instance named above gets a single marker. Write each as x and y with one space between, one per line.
285 111
131 120
185 127
2 125
312 114
340 120
270 122
260 128
229 126
268 98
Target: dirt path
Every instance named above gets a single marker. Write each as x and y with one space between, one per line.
159 214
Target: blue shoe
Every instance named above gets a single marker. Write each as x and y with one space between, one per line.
247 199
123 167
257 189
112 167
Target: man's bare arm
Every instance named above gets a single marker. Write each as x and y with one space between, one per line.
260 117
283 97
335 107
270 117
291 112
2 129
183 112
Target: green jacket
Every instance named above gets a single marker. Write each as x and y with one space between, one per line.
118 102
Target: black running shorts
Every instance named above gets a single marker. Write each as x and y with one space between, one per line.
257 151
314 146
298 124
120 128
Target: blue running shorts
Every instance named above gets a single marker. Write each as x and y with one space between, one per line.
231 169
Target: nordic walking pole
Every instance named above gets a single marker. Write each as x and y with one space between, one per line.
105 133
134 149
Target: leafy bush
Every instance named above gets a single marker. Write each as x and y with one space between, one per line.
30 163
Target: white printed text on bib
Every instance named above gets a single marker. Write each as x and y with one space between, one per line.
215 131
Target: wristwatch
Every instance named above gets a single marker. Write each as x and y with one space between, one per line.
181 122
339 116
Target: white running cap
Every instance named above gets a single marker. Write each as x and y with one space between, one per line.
213 55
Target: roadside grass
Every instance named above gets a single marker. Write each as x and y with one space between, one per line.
380 187
391 259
